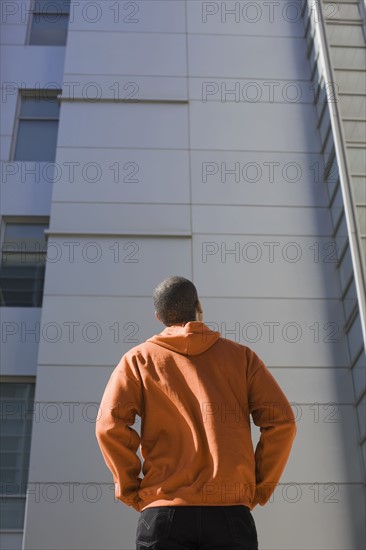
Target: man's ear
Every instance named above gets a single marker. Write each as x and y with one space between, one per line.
199 311
157 316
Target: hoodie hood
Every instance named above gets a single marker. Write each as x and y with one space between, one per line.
192 339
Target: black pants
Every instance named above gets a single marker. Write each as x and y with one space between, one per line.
196 528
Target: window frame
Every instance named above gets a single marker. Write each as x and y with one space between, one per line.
30 92
9 379
33 4
26 220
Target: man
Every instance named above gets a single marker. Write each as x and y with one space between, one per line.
194 392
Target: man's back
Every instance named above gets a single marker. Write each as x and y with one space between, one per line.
195 392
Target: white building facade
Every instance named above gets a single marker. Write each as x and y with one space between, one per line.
220 141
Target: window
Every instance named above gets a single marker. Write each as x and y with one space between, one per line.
49 22
37 126
22 268
16 413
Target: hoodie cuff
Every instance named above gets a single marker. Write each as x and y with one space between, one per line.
132 500
130 497
137 505
263 494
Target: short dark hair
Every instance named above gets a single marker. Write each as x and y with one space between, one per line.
175 300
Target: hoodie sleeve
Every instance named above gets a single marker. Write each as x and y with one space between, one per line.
272 412
118 442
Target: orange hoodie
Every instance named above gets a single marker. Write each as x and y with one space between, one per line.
194 392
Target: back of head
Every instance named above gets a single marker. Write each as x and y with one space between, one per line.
175 300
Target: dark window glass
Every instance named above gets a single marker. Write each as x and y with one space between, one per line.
23 261
37 126
50 20
16 413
